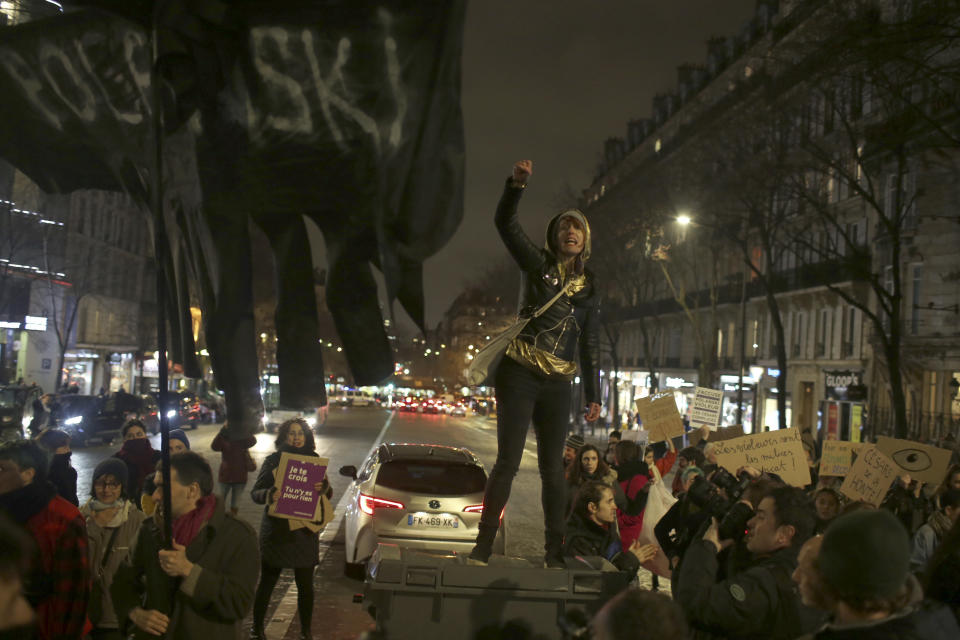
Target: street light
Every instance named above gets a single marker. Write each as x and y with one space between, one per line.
683 220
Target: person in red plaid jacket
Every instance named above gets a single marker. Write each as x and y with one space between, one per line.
58 582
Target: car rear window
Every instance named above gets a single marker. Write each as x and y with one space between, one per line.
434 478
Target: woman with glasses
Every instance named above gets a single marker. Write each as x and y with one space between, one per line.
113 522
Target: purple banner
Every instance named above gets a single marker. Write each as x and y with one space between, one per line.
297 476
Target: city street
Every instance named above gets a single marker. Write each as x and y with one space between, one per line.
346 438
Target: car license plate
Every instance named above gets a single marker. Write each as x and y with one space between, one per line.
432 521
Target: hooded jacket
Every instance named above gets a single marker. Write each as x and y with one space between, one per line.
572 321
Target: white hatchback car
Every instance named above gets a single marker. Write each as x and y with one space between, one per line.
419 496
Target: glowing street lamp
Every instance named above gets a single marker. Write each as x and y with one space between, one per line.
683 220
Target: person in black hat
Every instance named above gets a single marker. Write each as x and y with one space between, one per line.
864 573
61 473
570 447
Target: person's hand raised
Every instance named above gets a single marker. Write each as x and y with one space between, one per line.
522 171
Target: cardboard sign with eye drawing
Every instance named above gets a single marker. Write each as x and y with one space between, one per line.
921 461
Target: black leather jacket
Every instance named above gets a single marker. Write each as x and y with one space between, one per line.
571 321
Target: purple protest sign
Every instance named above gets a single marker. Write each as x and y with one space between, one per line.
295 480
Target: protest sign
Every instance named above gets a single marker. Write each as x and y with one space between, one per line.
870 476
836 458
924 463
779 452
660 417
640 436
706 407
296 498
722 433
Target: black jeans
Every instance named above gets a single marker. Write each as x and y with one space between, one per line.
524 396
268 580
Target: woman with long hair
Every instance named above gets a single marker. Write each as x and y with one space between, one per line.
591 530
589 466
280 546
533 378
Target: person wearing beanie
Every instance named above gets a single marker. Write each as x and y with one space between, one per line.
863 572
113 523
61 472
570 447
139 456
532 380
178 441
759 600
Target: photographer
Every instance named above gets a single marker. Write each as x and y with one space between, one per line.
758 601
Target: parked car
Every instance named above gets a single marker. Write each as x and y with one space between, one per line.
88 418
16 410
421 496
274 417
354 398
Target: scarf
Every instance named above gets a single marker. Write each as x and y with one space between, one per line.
187 526
24 503
142 456
940 524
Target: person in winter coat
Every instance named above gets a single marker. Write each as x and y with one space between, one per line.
203 587
862 571
688 457
931 533
589 466
16 616
590 530
61 472
280 546
113 523
58 580
179 442
234 461
138 454
941 580
533 379
759 600
905 500
662 465
633 477
826 501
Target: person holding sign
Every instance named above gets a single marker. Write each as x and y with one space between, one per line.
283 546
533 379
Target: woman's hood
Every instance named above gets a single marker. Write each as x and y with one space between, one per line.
551 243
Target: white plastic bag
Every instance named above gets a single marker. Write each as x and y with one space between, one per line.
659 501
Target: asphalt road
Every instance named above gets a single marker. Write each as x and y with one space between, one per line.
345 439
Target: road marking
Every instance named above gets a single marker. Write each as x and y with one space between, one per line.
287 607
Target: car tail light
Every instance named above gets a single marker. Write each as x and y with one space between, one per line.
369 503
478 508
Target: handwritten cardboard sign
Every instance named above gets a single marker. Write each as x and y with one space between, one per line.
870 476
640 436
779 452
722 433
296 498
706 407
660 416
837 456
923 462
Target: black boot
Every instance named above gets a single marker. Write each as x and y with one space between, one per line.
483 548
553 548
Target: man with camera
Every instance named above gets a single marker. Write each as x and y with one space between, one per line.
758 601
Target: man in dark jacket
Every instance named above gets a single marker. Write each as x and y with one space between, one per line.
533 379
58 583
863 571
759 601
203 587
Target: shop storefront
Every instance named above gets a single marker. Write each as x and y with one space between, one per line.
842 410
728 411
767 394
79 371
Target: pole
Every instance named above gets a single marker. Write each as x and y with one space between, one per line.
743 348
161 253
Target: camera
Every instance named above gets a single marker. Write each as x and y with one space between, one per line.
732 514
706 502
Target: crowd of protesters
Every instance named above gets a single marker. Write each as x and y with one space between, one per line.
94 564
806 563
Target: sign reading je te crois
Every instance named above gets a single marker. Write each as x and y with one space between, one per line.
297 475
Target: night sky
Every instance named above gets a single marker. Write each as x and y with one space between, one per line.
550 81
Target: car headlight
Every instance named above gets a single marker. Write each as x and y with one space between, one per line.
73 420
172 413
7 419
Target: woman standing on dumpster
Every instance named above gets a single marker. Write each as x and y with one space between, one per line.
533 380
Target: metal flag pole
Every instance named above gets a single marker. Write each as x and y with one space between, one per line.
161 249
